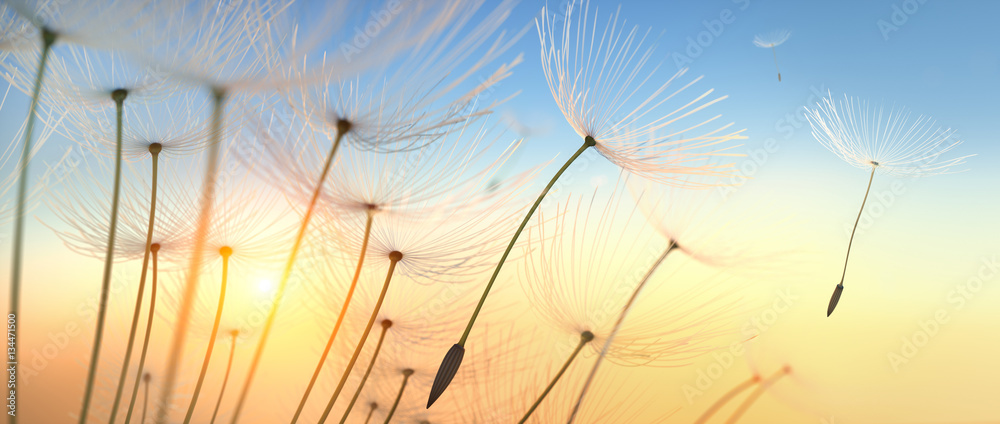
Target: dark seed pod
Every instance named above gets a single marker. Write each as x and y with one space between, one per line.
834 299
449 367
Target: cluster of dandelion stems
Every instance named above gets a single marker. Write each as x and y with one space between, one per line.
453 359
343 127
48 39
190 287
835 298
225 252
154 151
340 317
394 257
762 385
119 98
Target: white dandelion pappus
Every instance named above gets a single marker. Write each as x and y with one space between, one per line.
863 136
770 41
600 77
870 138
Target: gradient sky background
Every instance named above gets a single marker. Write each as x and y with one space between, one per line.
929 239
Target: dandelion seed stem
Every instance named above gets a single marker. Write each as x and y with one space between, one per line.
48 38
340 318
722 401
406 377
154 249
138 297
394 258
754 395
194 266
371 364
840 286
226 252
373 406
119 97
225 378
453 359
585 337
589 142
776 62
342 128
145 398
618 325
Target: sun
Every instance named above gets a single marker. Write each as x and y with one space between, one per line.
265 286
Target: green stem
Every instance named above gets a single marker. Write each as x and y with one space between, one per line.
588 142
340 319
145 399
138 297
342 128
373 406
835 299
618 326
722 401
856 221
585 338
225 378
749 401
371 364
776 62
48 38
226 252
119 97
406 377
176 352
154 249
394 258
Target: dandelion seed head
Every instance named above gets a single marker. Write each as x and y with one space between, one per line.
771 39
889 139
598 71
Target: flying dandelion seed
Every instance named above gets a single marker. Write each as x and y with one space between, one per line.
770 41
874 139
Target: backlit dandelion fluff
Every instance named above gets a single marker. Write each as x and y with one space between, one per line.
410 102
93 87
588 273
451 175
82 208
874 139
598 82
54 174
770 41
440 244
249 222
221 49
423 23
